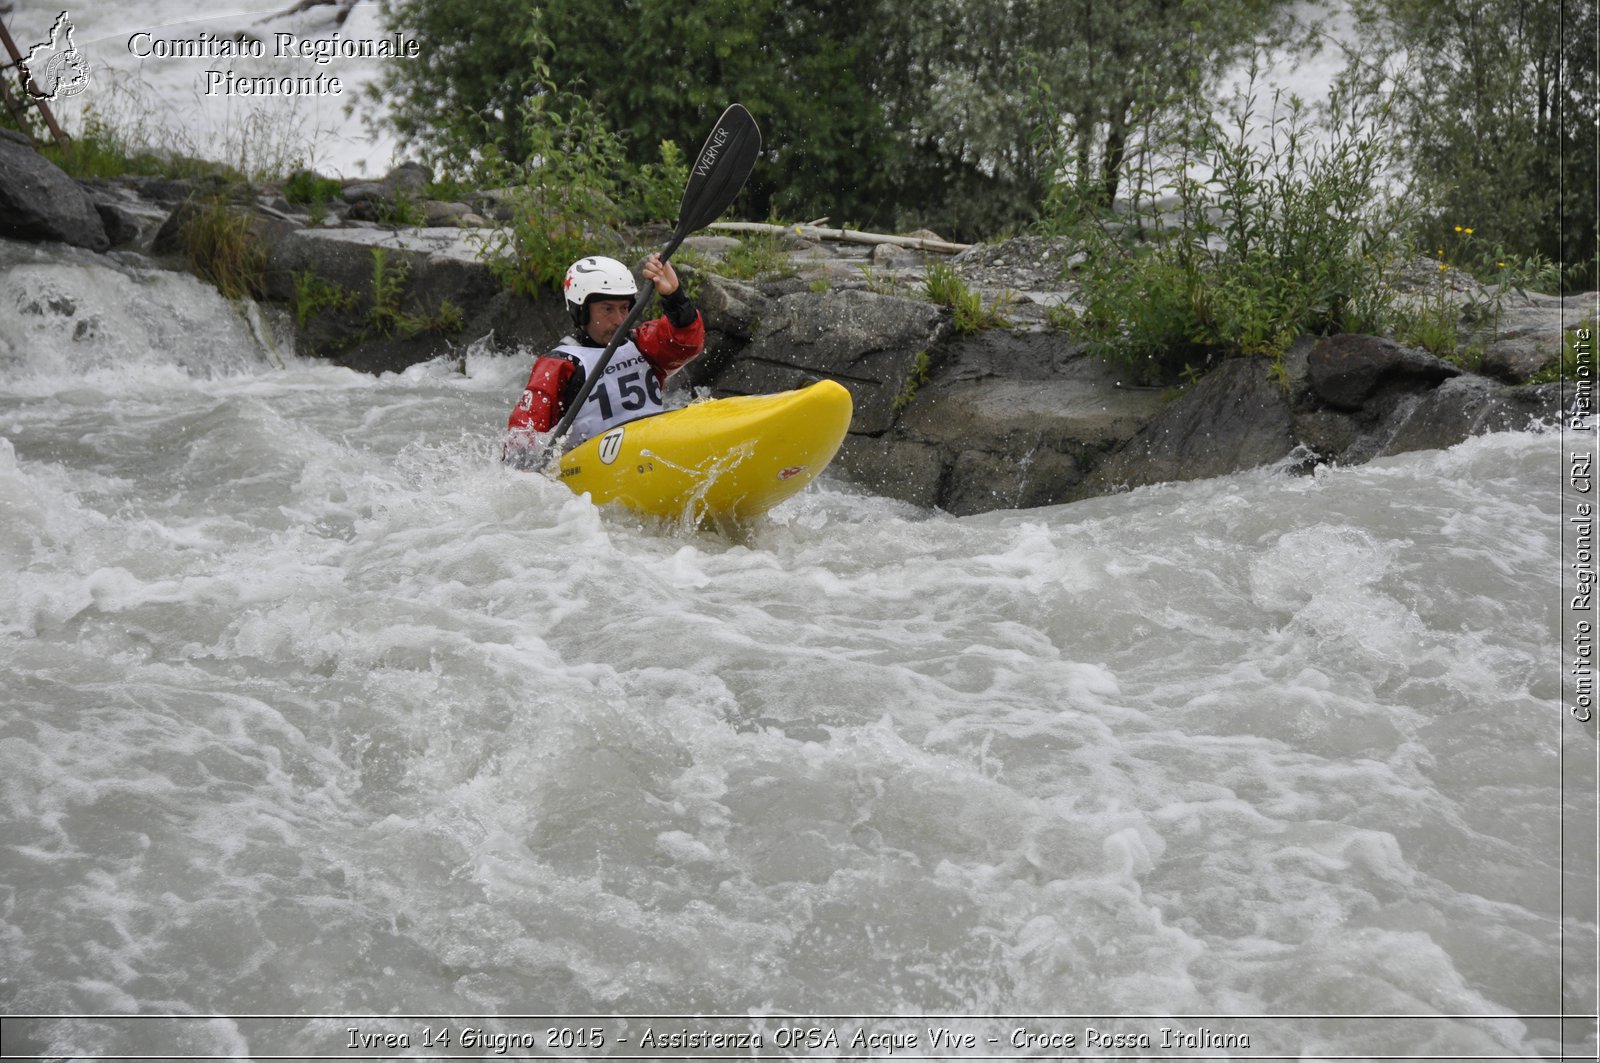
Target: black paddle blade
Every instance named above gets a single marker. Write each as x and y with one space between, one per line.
720 170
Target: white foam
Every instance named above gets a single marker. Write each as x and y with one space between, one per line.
293 642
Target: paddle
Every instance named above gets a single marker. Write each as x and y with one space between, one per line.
720 170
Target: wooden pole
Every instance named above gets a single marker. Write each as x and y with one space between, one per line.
849 236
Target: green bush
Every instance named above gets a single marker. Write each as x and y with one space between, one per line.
656 189
386 315
314 294
1442 316
563 200
757 255
304 186
1274 232
1494 109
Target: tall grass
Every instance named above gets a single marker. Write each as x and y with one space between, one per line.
943 286
1258 229
127 126
223 250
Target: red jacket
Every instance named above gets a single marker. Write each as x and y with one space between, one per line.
555 379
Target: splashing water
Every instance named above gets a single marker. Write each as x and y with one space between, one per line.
314 709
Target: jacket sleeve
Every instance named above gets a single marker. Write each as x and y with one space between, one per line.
676 338
540 407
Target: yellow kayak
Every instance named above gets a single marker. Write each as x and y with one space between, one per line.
735 457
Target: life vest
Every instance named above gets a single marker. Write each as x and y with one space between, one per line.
629 389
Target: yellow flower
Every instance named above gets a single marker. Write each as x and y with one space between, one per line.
1467 231
1443 268
1458 228
1502 265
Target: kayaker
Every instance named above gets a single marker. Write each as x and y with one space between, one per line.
599 293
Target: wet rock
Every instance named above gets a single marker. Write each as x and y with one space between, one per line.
1346 370
896 468
732 307
438 266
732 310
869 343
1011 419
1236 417
1468 406
1327 434
980 481
38 201
1523 354
129 222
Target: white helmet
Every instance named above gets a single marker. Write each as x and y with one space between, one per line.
596 276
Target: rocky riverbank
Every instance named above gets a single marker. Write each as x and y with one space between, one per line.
967 421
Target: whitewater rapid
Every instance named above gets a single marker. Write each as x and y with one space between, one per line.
314 709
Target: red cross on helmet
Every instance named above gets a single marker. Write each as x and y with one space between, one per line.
596 277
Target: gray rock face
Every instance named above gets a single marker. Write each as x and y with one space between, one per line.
1013 419
438 265
1004 420
1237 417
1346 370
130 223
1410 402
1517 356
1527 333
40 202
1468 406
869 343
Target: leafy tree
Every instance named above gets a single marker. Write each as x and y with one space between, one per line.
957 114
801 69
1049 99
1496 109
465 91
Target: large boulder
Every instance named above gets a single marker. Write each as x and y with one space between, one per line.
1236 417
870 343
1416 403
130 222
896 468
1528 334
732 307
1005 420
1465 407
1520 354
38 201
732 311
1348 370
329 273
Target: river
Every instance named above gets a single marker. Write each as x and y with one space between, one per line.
314 709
